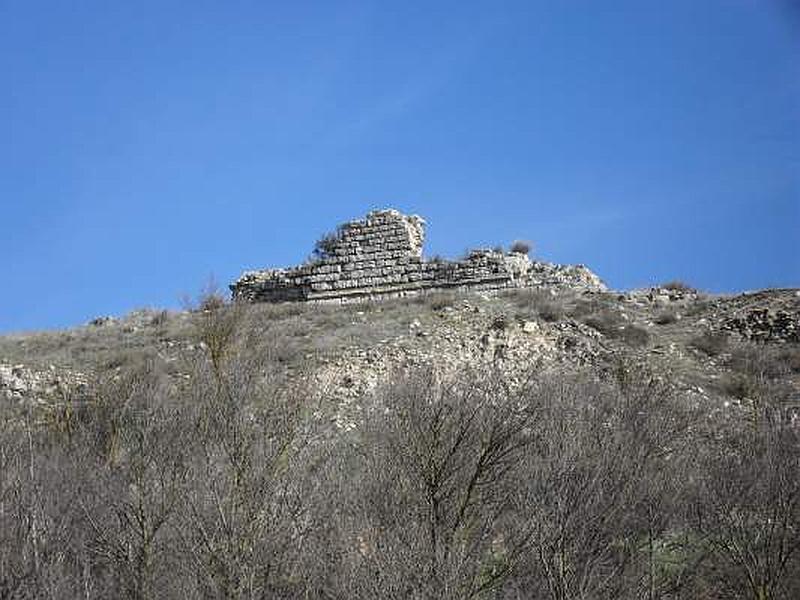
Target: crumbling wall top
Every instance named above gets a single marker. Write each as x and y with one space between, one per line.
380 231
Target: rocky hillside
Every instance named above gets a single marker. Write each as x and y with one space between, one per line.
554 442
702 344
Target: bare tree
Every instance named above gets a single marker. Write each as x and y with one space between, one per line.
433 469
748 509
135 493
245 515
595 489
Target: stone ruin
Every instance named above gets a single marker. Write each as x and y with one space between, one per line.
381 256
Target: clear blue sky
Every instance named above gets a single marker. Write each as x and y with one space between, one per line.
146 145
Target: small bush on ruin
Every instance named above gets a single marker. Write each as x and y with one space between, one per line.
521 247
326 245
677 285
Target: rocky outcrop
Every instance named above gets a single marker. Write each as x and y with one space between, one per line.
764 325
381 255
765 316
20 383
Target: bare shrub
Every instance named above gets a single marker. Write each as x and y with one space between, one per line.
216 322
217 475
765 362
710 342
431 517
439 300
499 323
590 304
601 451
326 245
739 386
747 511
160 319
606 322
634 335
243 515
666 318
698 306
539 303
610 323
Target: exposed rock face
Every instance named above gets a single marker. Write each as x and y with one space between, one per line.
762 324
381 255
21 383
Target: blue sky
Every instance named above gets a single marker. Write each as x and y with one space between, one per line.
147 145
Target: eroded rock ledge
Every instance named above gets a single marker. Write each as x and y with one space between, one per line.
381 255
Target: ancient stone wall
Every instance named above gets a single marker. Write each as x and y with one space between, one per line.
381 255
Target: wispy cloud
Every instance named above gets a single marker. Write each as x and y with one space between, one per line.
441 68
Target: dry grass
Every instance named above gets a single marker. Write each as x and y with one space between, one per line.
437 301
610 323
768 362
711 343
111 341
538 303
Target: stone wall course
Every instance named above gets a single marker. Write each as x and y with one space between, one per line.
381 256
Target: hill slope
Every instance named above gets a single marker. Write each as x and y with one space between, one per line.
697 340
535 443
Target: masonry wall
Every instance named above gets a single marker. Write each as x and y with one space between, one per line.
381 255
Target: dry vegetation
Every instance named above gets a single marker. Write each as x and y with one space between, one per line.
216 475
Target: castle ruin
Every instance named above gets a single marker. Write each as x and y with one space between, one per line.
381 256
